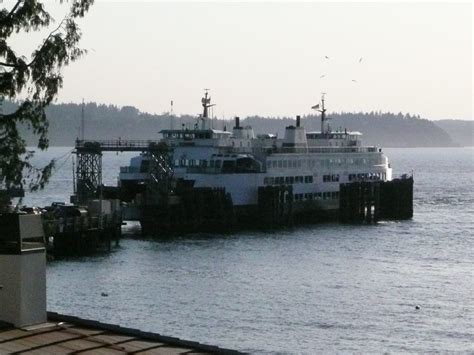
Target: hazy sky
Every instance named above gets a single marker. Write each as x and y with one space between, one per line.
268 58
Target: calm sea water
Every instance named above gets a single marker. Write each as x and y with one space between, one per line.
324 288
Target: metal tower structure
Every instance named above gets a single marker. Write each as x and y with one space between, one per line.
88 171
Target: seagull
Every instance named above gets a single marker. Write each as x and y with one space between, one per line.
322 76
326 57
355 81
360 60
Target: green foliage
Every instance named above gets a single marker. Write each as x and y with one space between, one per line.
35 80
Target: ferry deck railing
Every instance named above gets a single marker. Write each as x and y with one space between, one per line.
289 150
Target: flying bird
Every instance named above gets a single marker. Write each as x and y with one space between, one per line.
355 81
326 57
360 60
322 76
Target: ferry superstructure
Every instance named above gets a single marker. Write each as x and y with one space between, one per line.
313 164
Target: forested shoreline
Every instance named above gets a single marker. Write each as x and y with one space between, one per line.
378 128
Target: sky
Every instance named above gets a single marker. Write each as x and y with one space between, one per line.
274 58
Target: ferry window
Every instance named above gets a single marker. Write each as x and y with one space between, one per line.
317 196
280 163
299 163
335 195
218 164
191 162
204 163
292 180
285 163
326 195
212 163
335 177
176 162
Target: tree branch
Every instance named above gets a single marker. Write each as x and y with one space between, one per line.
12 11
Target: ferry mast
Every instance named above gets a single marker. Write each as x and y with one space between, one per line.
322 110
206 103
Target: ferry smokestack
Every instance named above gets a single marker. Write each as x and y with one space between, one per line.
298 121
237 122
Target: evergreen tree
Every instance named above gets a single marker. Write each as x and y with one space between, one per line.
34 79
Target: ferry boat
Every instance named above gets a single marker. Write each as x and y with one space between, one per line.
307 169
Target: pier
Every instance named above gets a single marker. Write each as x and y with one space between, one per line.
167 205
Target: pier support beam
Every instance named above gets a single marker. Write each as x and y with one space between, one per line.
88 172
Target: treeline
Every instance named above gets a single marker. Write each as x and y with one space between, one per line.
111 122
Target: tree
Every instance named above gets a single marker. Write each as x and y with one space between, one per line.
35 81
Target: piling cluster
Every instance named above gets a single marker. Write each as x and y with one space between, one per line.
371 201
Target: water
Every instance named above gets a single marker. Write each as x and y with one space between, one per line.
324 288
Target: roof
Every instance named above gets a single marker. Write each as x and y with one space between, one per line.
72 335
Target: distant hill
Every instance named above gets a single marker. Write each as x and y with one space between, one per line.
381 129
460 131
111 122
